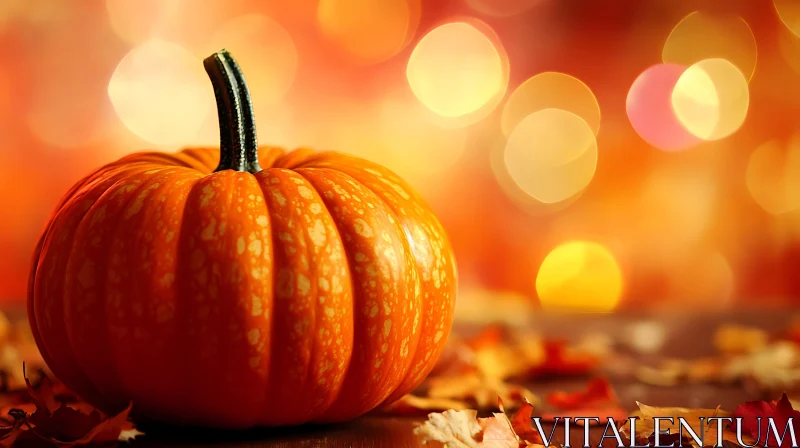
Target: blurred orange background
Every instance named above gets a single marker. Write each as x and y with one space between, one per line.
591 155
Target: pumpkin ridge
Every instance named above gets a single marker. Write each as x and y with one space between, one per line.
346 406
110 402
420 308
105 179
130 234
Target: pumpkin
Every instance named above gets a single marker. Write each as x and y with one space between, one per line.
241 286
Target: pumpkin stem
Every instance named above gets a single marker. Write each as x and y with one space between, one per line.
238 144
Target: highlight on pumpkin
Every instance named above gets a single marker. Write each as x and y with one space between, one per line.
369 31
458 71
579 276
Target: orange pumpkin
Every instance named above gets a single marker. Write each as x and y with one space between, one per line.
227 295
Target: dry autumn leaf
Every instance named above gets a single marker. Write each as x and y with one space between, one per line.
60 424
697 419
737 339
462 429
755 415
597 400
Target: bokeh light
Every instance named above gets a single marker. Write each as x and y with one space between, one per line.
266 53
702 35
394 133
650 111
551 90
679 198
135 21
502 8
456 70
161 93
579 276
369 30
789 12
703 279
773 175
711 99
551 155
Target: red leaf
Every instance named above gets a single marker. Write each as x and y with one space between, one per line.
779 411
559 360
598 393
522 424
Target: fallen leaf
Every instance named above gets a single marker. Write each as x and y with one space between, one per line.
597 400
561 360
522 424
736 339
61 424
645 425
462 429
414 405
481 391
774 368
598 393
780 411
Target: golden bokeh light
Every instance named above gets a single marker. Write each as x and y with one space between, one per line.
650 110
711 99
369 30
456 70
502 8
266 53
551 90
679 198
135 21
579 276
551 155
703 279
701 35
789 13
773 176
161 93
394 133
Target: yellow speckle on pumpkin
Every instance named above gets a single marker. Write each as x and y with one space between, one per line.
256 308
255 247
438 336
278 196
329 311
374 311
387 327
208 231
285 236
305 192
315 208
253 336
240 246
262 221
303 284
362 228
359 257
317 233
323 283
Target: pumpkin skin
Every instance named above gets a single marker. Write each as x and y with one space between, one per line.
313 290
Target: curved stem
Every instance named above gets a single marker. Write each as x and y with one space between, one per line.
237 133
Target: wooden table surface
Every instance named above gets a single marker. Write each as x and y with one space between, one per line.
688 336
